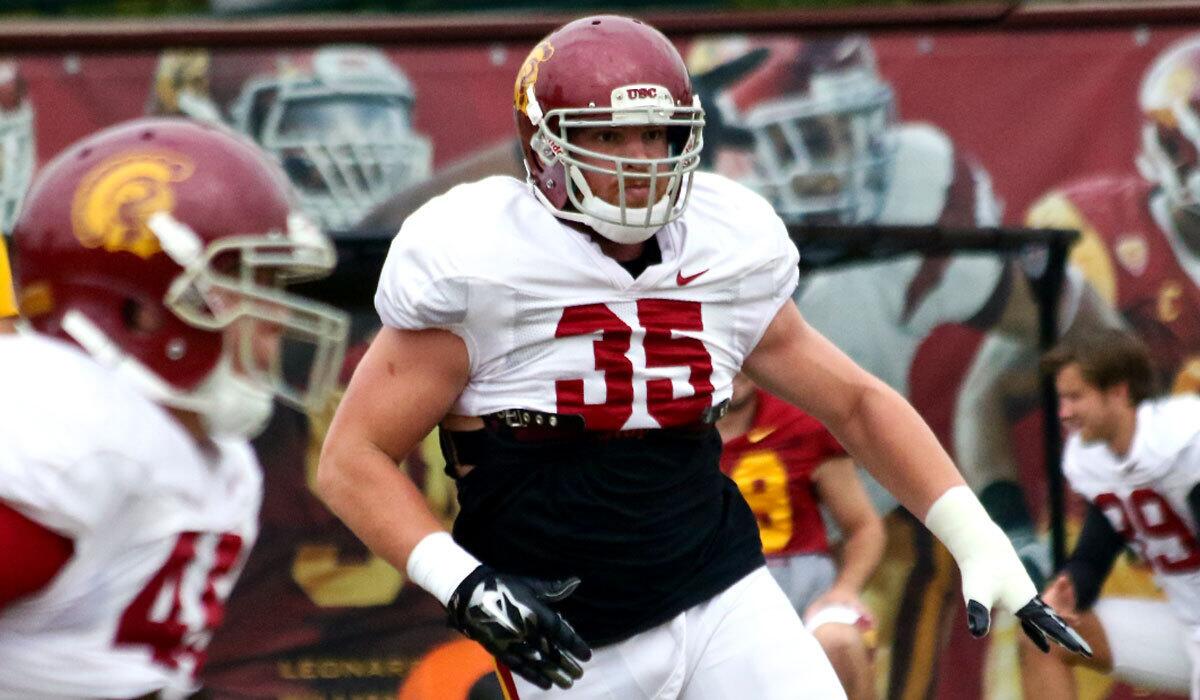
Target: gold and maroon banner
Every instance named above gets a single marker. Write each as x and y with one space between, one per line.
963 128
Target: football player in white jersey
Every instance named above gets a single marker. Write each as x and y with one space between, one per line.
150 260
1136 460
576 336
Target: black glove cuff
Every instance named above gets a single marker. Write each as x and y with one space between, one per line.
459 600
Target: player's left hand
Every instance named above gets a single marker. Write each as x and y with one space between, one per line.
998 577
992 573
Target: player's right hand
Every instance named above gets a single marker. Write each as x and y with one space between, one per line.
509 616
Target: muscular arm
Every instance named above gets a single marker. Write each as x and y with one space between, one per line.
842 493
875 424
404 385
886 434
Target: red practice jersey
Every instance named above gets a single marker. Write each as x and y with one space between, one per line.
773 465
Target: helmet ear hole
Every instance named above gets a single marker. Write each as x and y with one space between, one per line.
140 317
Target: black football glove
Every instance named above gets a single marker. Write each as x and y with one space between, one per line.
510 617
1039 622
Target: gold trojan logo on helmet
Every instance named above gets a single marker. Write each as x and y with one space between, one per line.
114 200
528 75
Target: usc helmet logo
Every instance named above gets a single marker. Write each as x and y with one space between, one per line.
528 75
115 198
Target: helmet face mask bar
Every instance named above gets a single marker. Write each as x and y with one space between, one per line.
308 335
160 247
608 72
665 202
343 133
809 124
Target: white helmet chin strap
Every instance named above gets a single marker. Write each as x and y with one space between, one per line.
617 233
228 404
604 217
232 404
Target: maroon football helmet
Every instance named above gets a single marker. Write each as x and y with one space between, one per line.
607 71
159 246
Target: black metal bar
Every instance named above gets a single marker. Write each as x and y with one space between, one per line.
1049 290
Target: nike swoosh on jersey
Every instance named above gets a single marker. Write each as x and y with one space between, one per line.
681 280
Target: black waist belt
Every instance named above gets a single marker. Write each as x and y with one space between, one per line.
527 426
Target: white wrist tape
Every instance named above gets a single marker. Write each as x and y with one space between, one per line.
438 565
990 567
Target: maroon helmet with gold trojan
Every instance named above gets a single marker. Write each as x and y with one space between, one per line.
607 71
160 246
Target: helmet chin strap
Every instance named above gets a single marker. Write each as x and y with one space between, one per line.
227 404
234 405
602 216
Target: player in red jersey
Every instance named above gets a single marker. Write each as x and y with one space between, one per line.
787 465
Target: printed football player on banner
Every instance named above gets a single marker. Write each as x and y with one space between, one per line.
340 122
822 142
17 149
790 469
152 259
576 335
1135 458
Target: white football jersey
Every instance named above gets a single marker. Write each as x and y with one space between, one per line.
552 324
160 529
1144 494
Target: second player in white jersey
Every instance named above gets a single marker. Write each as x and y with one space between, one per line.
160 529
1136 460
1145 494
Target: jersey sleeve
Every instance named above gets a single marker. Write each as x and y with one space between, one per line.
33 554
70 496
771 284
419 286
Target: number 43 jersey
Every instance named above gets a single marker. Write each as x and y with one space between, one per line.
552 324
160 529
1145 494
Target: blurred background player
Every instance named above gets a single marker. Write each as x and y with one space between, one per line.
335 604
821 140
150 258
341 124
1136 460
789 468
